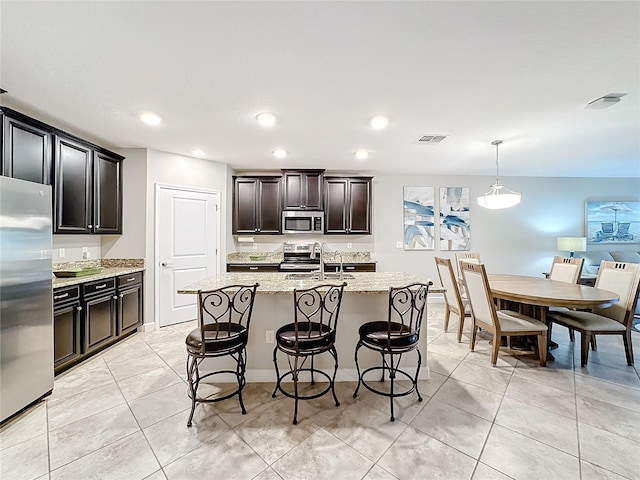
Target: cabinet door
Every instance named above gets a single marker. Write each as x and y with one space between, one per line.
302 190
129 309
245 192
66 335
359 207
335 205
268 205
107 194
99 321
26 151
72 187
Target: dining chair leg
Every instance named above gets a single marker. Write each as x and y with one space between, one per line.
549 328
594 343
496 348
628 347
572 335
542 348
447 314
584 349
460 326
474 329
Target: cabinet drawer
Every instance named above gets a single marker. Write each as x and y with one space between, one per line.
65 294
98 287
253 268
124 281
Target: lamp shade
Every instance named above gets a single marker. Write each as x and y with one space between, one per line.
499 197
572 244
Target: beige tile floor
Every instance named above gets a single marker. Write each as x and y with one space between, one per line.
122 415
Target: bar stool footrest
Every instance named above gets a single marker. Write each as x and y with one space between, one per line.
305 397
404 393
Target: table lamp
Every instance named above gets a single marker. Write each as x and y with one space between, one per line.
572 244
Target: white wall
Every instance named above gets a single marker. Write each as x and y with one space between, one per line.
73 245
132 242
177 170
520 240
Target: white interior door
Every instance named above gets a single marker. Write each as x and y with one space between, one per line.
187 245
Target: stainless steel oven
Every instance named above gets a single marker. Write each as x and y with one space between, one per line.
303 222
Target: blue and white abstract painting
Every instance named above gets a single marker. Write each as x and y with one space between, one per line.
419 218
613 222
455 232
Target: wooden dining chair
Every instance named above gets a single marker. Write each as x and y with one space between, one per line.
566 269
454 301
471 257
622 279
499 322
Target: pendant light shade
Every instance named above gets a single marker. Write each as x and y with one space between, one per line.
498 195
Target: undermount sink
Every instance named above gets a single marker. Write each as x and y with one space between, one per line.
315 276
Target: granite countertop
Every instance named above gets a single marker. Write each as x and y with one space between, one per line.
275 283
274 258
110 268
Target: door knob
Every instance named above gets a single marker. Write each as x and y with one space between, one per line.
167 264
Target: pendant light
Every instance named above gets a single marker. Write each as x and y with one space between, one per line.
498 195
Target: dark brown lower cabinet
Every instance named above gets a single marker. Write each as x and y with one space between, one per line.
253 268
93 315
350 267
99 306
130 303
66 327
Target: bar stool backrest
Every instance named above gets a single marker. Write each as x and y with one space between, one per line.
406 307
225 311
319 305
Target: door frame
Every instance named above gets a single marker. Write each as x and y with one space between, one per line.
156 235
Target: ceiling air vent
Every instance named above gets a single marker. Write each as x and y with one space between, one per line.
429 139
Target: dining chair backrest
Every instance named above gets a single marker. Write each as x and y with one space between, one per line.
448 281
479 293
471 257
623 279
564 269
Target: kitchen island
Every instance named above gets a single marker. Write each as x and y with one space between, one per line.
365 299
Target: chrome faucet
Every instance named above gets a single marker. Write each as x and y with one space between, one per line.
336 253
317 248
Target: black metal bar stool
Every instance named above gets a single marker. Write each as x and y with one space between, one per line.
398 335
224 315
312 332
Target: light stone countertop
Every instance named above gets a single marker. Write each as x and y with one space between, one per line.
111 267
242 258
275 283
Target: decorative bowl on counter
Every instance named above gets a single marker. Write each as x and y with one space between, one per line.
77 272
257 257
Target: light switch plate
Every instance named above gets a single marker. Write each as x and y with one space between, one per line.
255 246
61 253
270 336
349 245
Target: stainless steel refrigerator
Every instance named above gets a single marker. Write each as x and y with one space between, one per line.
26 318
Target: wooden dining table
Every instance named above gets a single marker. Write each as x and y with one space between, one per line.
534 296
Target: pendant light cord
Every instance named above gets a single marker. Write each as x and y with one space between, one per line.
497 143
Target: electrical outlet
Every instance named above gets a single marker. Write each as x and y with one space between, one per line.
61 253
86 255
270 336
349 245
255 246
398 244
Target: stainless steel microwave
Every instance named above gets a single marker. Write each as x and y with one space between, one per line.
303 222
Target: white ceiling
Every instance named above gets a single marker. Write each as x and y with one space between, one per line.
477 71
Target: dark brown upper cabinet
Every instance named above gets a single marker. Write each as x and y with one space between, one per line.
26 148
347 205
256 205
302 189
88 189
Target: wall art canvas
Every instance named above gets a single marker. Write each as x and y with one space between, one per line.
419 218
613 222
455 233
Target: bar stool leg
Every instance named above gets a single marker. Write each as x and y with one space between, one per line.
240 369
392 377
191 365
275 362
334 354
313 382
295 390
415 383
355 394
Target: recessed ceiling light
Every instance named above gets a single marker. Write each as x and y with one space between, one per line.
150 118
197 152
280 153
379 122
362 154
266 119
